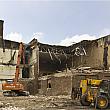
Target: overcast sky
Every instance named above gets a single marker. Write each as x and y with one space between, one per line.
55 22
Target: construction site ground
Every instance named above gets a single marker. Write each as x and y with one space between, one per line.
41 103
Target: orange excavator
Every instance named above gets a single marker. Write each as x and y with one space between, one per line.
15 88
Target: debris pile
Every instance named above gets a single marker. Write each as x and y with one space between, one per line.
35 102
12 108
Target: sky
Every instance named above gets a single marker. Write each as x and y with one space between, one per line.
57 22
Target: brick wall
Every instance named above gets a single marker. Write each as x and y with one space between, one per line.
59 86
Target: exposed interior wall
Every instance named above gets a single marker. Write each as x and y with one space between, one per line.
97 54
53 59
8 61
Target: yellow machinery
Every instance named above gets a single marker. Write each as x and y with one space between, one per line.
95 91
89 90
85 84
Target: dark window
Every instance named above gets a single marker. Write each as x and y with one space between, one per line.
39 84
48 83
25 72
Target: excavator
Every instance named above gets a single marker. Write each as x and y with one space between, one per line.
15 88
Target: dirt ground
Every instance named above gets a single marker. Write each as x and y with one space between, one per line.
41 103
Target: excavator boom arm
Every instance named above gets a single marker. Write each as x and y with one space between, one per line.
20 56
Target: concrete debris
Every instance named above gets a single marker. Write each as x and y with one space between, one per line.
35 102
41 103
9 106
1 104
12 108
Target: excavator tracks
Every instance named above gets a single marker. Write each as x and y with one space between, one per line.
15 93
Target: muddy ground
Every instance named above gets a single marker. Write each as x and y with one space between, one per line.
41 103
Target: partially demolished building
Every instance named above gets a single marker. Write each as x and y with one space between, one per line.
55 70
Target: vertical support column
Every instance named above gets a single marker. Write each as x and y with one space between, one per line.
1 34
105 54
36 68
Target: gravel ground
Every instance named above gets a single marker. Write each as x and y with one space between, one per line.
41 103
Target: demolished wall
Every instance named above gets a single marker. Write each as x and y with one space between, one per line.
53 58
8 56
97 54
31 83
8 59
